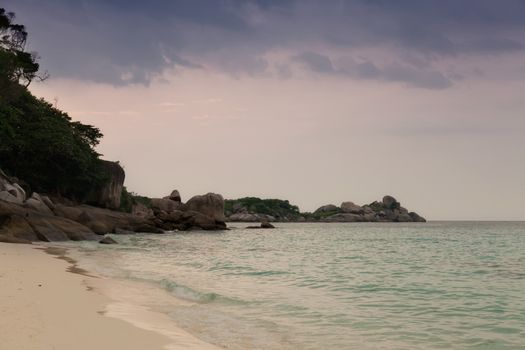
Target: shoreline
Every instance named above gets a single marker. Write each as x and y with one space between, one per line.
48 302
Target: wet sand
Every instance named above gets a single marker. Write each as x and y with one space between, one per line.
47 302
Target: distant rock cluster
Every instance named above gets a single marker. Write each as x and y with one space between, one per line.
169 213
388 210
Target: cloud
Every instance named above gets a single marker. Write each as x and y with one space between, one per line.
134 42
316 62
423 77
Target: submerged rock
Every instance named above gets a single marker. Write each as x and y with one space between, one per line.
264 224
107 240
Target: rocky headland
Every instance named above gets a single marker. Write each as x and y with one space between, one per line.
29 216
252 209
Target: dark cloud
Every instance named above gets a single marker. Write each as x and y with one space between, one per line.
316 62
365 69
127 42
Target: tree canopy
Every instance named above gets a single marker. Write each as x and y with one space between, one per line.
39 143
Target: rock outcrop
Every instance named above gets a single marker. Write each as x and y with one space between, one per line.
22 224
175 196
388 210
329 208
11 191
350 207
200 212
210 204
108 195
249 217
102 221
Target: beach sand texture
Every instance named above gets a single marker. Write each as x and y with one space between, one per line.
48 303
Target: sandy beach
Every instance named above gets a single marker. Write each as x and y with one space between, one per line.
48 303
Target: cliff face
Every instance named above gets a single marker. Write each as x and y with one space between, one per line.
108 195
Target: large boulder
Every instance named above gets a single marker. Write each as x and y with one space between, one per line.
165 204
142 211
37 203
390 202
55 228
103 221
351 207
10 191
205 222
416 218
175 196
108 194
15 227
210 204
26 224
327 209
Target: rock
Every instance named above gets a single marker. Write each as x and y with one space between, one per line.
368 210
147 228
390 202
107 240
327 209
350 207
266 224
47 201
193 219
344 217
108 195
37 203
142 211
11 239
55 228
15 226
10 191
101 220
243 217
172 216
98 226
175 196
416 218
167 205
120 231
27 224
8 197
248 217
210 204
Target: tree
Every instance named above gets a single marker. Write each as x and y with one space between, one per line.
16 65
39 143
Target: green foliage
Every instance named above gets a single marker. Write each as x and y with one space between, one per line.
275 207
39 143
324 214
16 65
376 206
129 199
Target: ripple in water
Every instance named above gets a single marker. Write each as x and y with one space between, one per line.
445 285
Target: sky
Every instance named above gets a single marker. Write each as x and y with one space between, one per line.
313 101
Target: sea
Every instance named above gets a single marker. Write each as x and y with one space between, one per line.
434 285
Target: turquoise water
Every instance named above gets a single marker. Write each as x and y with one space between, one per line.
438 285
